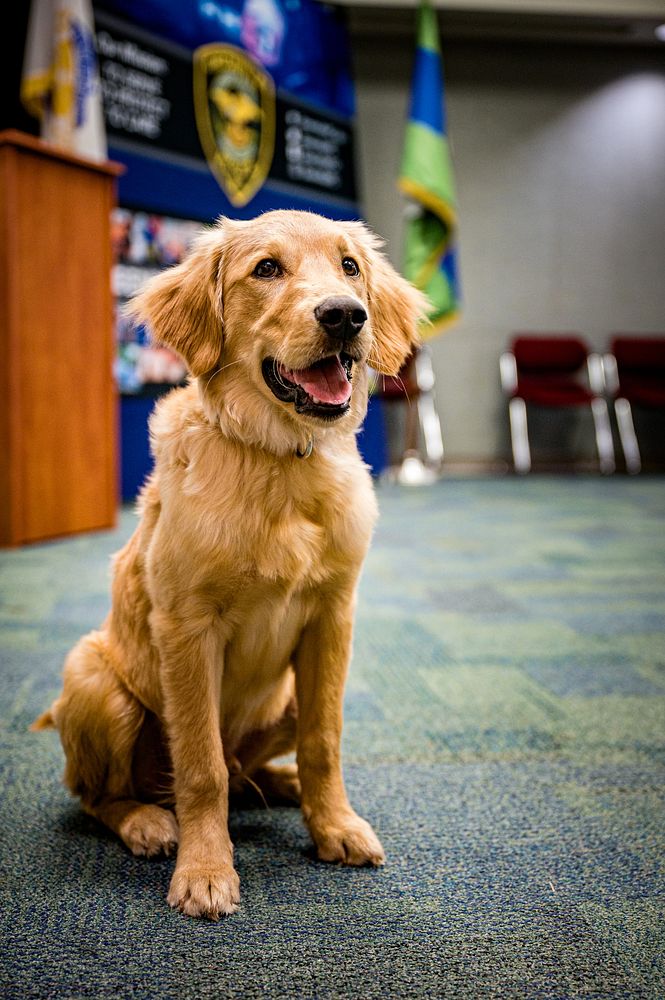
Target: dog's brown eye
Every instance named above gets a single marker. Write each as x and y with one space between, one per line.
350 267
267 268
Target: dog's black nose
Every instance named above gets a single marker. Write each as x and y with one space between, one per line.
341 317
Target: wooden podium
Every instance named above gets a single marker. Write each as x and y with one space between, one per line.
58 420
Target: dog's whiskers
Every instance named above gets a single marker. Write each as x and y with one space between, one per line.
220 370
374 379
398 378
278 375
375 363
400 382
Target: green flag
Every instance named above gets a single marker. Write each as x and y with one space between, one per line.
426 178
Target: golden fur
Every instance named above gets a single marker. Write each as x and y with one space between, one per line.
233 601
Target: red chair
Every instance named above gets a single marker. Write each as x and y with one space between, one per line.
635 376
553 370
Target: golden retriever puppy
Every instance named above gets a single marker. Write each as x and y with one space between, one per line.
230 630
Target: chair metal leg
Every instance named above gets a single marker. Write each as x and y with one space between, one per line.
431 428
601 419
629 443
427 413
519 435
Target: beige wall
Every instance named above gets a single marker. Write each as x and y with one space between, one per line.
559 158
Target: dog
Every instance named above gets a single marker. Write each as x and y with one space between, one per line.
230 630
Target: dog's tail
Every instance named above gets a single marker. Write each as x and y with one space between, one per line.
45 721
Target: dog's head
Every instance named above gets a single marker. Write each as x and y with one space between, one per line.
278 319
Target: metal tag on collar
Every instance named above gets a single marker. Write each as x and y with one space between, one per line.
308 450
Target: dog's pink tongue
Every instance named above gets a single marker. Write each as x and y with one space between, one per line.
326 381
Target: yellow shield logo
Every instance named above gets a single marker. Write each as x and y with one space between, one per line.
234 103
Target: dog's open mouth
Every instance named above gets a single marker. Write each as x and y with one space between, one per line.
323 389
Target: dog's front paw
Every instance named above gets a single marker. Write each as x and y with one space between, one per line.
350 840
205 892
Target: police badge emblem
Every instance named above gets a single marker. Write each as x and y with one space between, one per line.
234 104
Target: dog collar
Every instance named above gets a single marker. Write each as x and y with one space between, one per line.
309 448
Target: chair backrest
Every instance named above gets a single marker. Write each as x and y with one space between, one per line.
637 353
541 353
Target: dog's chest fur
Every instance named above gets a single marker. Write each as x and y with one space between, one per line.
247 515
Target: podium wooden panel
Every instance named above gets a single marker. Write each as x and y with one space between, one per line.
58 421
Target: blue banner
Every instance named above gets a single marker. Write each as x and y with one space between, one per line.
228 109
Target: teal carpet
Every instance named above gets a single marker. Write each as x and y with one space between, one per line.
505 733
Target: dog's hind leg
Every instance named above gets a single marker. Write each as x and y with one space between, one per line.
277 782
99 722
146 829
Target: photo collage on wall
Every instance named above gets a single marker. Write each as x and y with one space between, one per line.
143 244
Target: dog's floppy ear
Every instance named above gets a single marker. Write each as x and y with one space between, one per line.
396 310
182 306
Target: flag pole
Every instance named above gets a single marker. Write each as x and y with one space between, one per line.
426 180
60 82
